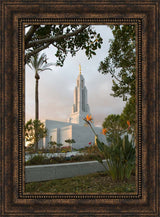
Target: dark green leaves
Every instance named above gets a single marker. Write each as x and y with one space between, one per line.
120 62
65 38
120 158
30 127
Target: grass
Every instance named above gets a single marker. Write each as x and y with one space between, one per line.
93 183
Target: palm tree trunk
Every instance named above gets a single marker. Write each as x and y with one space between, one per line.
36 109
36 98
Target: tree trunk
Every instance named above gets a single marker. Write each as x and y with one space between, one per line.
36 109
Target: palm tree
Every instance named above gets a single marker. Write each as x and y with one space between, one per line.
38 64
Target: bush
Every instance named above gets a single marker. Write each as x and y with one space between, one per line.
120 158
65 149
40 159
37 160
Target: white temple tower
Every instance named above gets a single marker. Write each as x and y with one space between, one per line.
59 131
80 107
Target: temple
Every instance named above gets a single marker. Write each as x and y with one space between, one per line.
74 127
80 107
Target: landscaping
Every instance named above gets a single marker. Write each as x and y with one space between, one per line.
86 154
92 183
119 165
107 163
40 159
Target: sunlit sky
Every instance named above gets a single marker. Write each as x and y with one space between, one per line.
56 87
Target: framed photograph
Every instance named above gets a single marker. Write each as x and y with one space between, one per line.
79 108
63 147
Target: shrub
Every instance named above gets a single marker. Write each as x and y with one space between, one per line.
37 160
120 158
65 149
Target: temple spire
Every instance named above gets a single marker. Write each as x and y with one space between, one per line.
80 69
80 107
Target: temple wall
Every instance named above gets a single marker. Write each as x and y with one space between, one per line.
73 129
65 133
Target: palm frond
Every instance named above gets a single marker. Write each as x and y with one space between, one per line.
39 63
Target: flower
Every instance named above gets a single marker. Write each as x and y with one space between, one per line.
89 118
104 131
89 143
129 125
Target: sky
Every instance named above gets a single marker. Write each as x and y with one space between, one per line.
56 87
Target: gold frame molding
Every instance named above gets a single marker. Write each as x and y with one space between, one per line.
14 15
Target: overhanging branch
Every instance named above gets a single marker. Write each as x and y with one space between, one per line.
30 33
55 39
27 56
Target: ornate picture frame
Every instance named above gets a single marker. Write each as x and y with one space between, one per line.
14 15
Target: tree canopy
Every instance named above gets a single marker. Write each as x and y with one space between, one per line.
31 127
129 113
39 64
121 65
70 141
121 61
113 125
64 38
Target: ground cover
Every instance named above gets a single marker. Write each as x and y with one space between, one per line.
40 160
87 154
92 183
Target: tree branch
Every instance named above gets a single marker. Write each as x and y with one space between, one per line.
58 47
56 38
115 77
30 33
27 56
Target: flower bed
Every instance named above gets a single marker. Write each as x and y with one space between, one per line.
43 159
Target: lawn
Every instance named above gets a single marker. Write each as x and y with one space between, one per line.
93 183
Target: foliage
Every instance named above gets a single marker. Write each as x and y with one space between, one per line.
93 149
65 149
30 149
59 145
120 158
54 147
116 124
92 183
120 64
70 141
121 59
129 113
120 154
38 63
64 38
33 126
41 159
37 160
114 128
52 143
